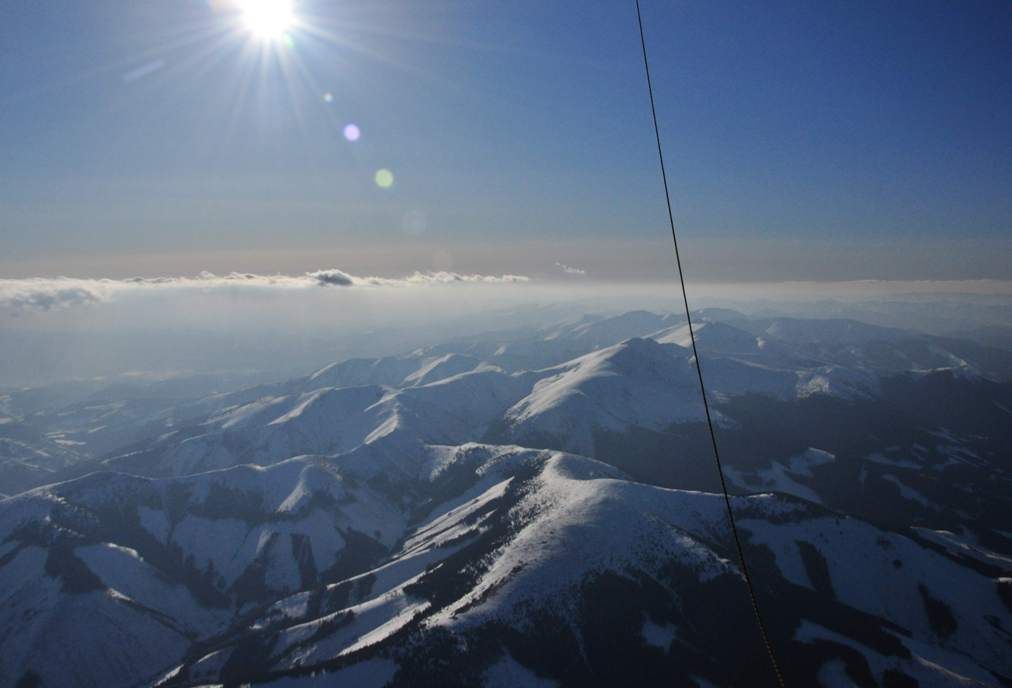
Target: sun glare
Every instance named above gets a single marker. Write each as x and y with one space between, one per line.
268 20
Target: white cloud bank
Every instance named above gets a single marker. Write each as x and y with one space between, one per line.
49 293
569 270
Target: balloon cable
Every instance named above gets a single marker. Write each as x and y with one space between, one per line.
699 370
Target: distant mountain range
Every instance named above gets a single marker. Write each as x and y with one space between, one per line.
529 507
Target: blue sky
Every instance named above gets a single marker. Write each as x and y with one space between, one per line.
157 137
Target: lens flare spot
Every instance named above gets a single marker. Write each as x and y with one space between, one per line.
328 97
352 132
384 178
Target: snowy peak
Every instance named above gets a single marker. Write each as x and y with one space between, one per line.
442 367
638 382
599 332
840 331
713 338
418 368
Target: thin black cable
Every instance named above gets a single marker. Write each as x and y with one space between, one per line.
699 369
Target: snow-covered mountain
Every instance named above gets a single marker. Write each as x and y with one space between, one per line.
636 383
540 559
525 507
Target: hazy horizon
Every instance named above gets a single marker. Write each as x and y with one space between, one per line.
64 328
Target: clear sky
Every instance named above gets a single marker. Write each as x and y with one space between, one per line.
836 139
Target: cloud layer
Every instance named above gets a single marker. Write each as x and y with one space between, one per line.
570 270
49 293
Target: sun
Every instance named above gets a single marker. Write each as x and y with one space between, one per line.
268 20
